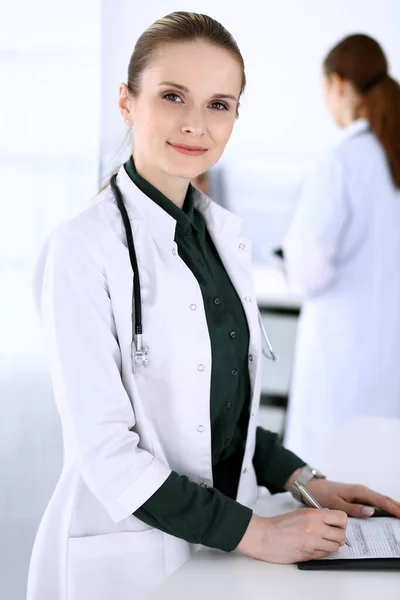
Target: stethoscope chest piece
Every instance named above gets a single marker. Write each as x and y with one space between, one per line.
140 355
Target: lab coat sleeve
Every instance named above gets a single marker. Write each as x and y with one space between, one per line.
313 240
96 412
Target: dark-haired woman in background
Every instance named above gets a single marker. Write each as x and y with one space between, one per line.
342 251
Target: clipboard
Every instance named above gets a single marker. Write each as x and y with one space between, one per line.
351 564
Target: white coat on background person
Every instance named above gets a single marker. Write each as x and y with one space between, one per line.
342 252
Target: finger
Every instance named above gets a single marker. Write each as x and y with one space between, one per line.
391 499
327 546
367 497
319 554
388 505
337 518
314 555
359 511
334 534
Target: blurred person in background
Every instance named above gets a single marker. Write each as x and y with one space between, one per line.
342 253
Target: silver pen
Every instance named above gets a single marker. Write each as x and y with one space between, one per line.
312 501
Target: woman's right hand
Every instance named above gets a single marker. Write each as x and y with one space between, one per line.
297 536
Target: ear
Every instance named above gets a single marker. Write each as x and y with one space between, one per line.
237 110
337 83
125 104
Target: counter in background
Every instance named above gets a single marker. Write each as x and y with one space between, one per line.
273 292
279 307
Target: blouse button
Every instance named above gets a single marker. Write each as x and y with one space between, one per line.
173 251
250 357
200 429
242 246
248 299
193 306
200 368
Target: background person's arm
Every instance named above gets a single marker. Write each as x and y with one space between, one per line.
313 240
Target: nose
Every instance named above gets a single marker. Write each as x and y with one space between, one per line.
194 123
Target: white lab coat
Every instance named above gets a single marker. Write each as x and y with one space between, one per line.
125 431
343 252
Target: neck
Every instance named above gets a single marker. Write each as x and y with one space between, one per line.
348 117
353 111
174 188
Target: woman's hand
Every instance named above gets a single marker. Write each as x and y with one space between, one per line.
354 500
294 537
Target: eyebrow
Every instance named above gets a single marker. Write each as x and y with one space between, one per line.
185 89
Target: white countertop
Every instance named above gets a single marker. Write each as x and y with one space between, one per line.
272 289
368 452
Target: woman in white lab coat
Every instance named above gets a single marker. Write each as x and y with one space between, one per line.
163 457
342 251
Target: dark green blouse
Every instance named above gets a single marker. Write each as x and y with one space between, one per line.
211 516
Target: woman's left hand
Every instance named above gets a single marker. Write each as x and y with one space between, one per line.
356 500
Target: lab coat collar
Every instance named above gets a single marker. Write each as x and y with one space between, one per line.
218 220
183 216
356 128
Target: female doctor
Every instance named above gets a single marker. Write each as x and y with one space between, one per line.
162 452
342 251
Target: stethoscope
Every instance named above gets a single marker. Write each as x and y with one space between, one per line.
140 353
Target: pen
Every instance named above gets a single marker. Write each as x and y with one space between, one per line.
312 501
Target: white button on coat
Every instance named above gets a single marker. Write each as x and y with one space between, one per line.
115 458
342 251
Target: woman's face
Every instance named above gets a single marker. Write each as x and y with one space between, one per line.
189 95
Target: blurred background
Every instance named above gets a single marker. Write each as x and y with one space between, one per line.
61 134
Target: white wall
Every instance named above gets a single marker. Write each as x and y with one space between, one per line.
49 134
283 124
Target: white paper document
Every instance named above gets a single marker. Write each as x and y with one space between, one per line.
371 538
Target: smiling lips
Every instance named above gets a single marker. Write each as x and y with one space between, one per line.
188 150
